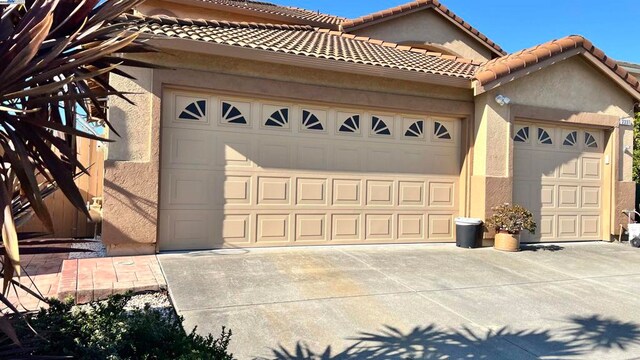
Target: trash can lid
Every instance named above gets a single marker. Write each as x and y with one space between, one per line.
468 221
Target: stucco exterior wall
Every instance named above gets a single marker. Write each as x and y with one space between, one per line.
572 84
427 26
130 206
576 92
300 75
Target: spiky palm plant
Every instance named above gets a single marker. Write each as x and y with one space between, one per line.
56 56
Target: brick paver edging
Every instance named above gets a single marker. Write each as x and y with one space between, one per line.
95 279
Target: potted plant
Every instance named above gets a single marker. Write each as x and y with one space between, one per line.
509 221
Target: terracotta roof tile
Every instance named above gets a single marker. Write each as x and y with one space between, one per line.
497 68
307 41
417 4
306 16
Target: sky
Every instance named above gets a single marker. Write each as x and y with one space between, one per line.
612 25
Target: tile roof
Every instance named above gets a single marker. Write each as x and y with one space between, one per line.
423 4
307 41
497 68
297 14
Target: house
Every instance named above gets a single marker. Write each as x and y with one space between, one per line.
267 125
633 69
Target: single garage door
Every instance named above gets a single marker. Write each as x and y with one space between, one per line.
242 172
558 175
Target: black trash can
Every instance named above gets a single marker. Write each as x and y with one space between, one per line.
469 233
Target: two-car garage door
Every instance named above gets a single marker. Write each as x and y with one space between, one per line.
241 172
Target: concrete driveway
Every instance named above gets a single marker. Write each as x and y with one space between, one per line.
417 301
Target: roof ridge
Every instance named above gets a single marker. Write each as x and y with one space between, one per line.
416 4
497 68
398 46
314 12
169 20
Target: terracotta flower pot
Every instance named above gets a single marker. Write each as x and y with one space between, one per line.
507 242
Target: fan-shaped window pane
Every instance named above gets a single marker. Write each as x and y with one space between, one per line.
590 141
351 125
279 118
571 139
416 129
197 111
232 115
522 135
441 132
379 127
310 121
544 137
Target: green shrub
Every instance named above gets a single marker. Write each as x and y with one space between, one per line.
105 330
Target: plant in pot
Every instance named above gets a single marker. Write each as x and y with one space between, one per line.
509 221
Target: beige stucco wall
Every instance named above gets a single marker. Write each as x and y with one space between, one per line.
300 75
572 85
574 88
427 26
130 206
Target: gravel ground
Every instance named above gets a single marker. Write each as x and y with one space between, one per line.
158 301
97 250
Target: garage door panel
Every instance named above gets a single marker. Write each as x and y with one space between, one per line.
547 196
523 194
346 227
440 227
346 192
547 228
272 228
380 193
236 229
234 152
568 226
591 168
188 149
245 180
381 161
545 165
311 227
347 158
441 194
411 227
275 155
590 226
379 227
522 165
590 197
274 190
411 193
311 191
188 189
186 229
312 156
568 196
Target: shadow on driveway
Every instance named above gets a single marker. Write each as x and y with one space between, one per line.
581 336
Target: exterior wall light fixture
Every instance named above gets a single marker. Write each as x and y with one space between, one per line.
503 100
